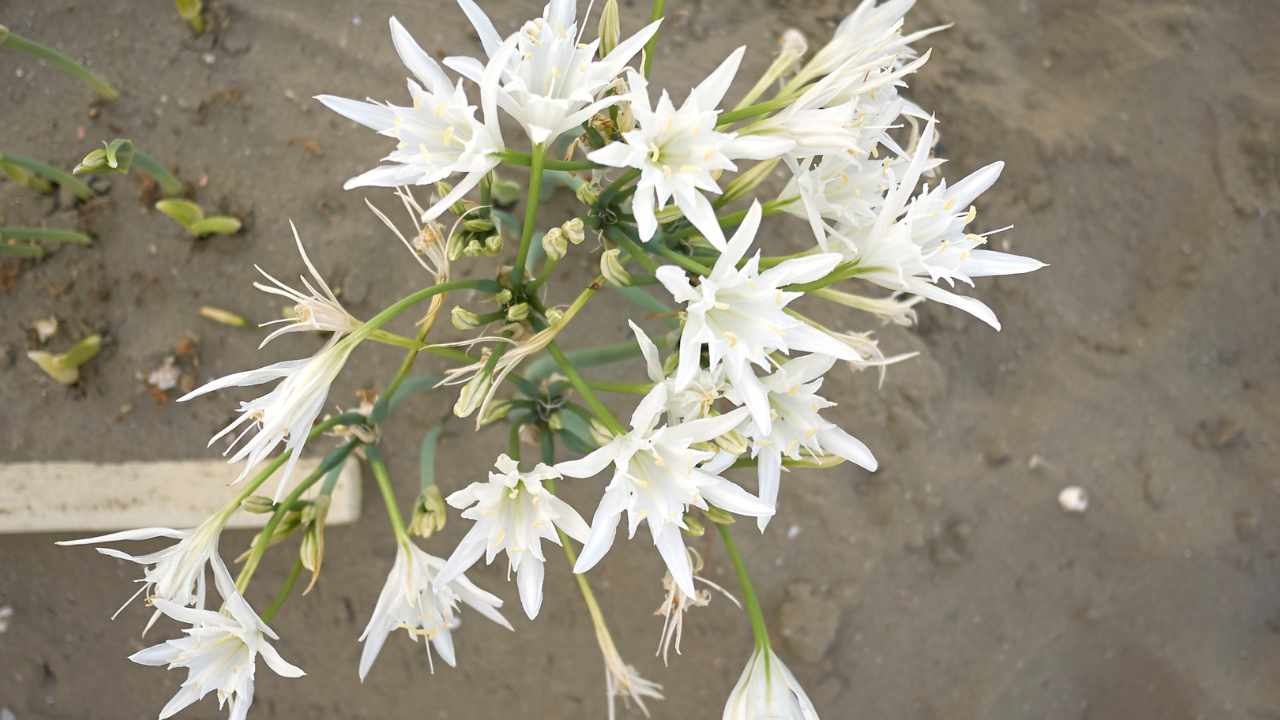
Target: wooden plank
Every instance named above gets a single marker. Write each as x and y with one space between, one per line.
86 496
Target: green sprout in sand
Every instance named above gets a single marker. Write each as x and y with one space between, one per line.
120 156
11 39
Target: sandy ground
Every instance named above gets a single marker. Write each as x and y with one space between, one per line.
1143 147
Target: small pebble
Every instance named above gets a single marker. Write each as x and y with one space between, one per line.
209 58
1073 499
793 532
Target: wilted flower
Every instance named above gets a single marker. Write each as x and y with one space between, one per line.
316 310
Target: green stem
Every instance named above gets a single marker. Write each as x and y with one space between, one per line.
388 492
756 615
365 331
170 186
536 162
588 396
585 357
683 261
77 186
285 589
657 11
45 235
548 267
264 538
521 159
617 387
615 187
751 111
634 249
8 38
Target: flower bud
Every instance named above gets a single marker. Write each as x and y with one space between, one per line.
474 248
718 516
311 552
554 316
502 297
748 180
463 319
505 192
555 244
793 44
257 504
493 244
587 193
429 513
610 27
693 527
555 421
518 312
574 230
472 394
455 246
612 270
478 225
496 411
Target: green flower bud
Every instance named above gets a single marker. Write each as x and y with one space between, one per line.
496 411
493 244
429 513
694 527
474 248
733 442
574 230
612 270
518 312
610 27
455 246
502 297
555 315
718 516
258 505
464 319
587 193
506 192
478 225
555 244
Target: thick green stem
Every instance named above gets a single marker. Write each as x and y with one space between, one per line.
588 396
388 492
751 111
633 248
756 615
536 162
285 589
170 185
365 331
65 179
10 39
657 11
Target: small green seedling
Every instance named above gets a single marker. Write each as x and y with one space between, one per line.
65 368
193 12
120 156
24 241
49 173
191 216
13 40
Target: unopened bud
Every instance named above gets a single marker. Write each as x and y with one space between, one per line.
574 230
612 270
428 513
518 312
694 527
502 297
555 421
311 552
610 27
718 516
478 226
463 319
257 504
493 244
587 193
474 248
472 394
455 246
496 411
506 192
748 180
793 44
555 315
555 244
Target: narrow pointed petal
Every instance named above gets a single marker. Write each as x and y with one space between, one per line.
529 581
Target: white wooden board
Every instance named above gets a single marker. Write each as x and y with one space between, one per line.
86 496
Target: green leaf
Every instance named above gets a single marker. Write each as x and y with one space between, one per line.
120 155
22 251
215 225
184 212
576 433
427 456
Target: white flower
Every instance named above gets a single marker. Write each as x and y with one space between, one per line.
795 407
513 511
837 188
867 42
738 314
411 600
915 242
285 414
768 691
438 135
550 82
174 574
696 399
220 650
316 310
656 478
679 152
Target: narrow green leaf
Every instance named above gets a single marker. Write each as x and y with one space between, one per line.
22 251
427 457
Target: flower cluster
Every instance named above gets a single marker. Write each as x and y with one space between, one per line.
735 379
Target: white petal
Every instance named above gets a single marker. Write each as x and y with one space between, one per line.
670 546
650 407
139 534
731 497
837 441
604 526
371 115
489 37
769 473
468 551
417 60
373 642
615 154
282 667
708 94
652 361
973 306
642 206
186 695
529 582
589 465
963 193
985 263
275 371
737 247
697 209
801 270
